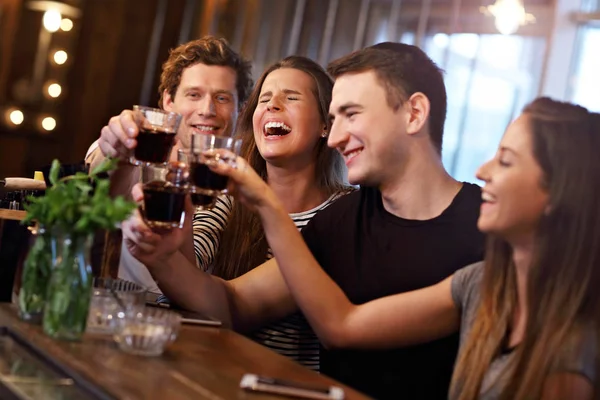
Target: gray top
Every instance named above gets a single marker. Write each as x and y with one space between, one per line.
576 356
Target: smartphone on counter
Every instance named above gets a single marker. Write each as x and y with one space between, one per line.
267 384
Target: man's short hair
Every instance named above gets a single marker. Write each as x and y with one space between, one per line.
402 70
208 50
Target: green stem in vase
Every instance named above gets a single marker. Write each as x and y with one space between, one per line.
69 290
74 208
35 276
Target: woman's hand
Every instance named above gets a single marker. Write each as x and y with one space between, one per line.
149 247
244 183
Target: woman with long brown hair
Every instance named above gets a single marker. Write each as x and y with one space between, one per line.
528 314
284 128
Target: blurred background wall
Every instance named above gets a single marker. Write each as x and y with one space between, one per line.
63 76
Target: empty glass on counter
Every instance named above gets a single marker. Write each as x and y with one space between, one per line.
147 331
111 298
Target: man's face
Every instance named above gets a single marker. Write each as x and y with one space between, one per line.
207 99
366 130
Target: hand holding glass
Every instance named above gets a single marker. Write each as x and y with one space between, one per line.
156 136
201 201
164 198
207 149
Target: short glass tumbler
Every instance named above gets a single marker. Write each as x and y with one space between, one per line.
163 207
148 331
199 200
208 149
111 300
156 136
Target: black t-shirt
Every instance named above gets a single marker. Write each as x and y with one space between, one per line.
370 253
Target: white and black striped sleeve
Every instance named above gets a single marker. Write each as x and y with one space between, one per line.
207 226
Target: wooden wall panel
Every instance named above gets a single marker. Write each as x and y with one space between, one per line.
106 71
110 55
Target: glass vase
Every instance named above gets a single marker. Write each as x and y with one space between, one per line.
35 276
70 286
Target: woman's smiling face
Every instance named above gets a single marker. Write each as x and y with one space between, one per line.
514 198
287 123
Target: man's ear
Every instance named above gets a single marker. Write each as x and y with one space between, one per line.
418 107
167 102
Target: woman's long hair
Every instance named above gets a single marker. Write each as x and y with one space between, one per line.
243 243
563 297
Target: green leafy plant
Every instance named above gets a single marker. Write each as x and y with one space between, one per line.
79 203
71 210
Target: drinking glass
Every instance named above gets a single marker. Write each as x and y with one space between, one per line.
111 298
206 150
164 197
147 331
156 137
200 200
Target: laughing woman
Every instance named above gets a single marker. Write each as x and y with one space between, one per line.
528 315
284 128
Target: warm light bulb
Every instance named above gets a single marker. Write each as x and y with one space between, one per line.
54 90
52 20
60 57
66 24
509 15
16 117
506 24
49 123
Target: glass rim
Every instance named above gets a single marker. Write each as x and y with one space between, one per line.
153 314
117 285
137 107
205 142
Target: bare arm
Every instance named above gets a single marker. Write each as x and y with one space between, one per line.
117 139
399 320
243 303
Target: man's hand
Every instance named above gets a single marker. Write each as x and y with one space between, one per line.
117 139
151 248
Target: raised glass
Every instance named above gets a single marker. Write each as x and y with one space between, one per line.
156 137
206 150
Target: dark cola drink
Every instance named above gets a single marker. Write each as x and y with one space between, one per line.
154 146
206 180
164 205
203 201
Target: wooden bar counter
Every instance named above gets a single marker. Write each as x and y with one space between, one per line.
203 363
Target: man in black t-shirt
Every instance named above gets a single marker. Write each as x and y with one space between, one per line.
370 253
409 226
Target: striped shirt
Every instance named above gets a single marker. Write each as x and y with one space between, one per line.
291 336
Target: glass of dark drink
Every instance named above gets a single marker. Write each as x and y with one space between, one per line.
200 200
206 150
156 136
164 198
